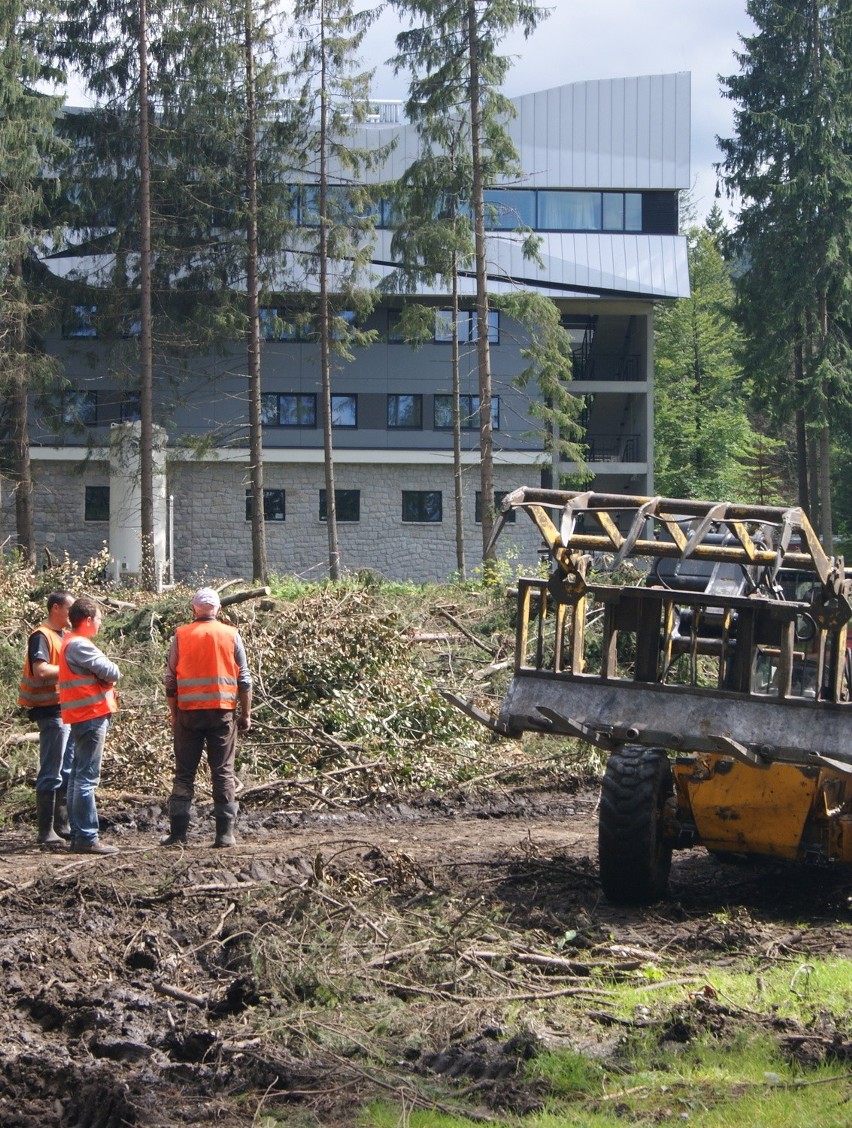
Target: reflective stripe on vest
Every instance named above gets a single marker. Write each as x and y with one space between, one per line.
206 669
32 693
82 697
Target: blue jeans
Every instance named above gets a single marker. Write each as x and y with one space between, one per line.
89 740
55 754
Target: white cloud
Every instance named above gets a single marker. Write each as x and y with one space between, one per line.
615 39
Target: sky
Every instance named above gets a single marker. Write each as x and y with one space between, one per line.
600 39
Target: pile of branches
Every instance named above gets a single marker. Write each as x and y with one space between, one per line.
347 702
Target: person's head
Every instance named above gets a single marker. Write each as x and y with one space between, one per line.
85 616
58 605
206 603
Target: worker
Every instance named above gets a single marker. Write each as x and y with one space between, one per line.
87 699
39 694
206 677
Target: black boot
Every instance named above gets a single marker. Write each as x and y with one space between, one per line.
47 836
226 816
179 809
60 814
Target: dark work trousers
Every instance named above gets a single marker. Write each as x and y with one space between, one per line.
214 730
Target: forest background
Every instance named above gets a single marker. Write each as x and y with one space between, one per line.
200 107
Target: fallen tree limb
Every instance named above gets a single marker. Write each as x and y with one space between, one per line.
200 1001
242 596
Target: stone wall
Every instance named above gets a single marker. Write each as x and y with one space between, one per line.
213 537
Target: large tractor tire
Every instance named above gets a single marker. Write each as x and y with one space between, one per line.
633 853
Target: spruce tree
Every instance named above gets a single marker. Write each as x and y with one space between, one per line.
452 53
29 148
702 435
790 162
339 208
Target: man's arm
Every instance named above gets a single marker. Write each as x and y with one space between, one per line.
170 680
39 652
244 684
83 657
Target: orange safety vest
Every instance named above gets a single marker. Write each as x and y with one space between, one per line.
33 694
206 669
82 697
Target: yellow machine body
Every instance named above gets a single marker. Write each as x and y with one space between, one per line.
779 810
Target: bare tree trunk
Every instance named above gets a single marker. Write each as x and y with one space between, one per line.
486 448
325 327
825 516
801 431
457 461
813 480
260 566
19 432
146 378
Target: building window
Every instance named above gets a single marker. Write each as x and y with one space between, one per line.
347 505
466 321
96 506
405 411
468 410
288 409
509 208
422 506
128 409
80 408
498 501
273 505
80 322
395 336
344 411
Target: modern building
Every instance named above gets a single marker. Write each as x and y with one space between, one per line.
602 165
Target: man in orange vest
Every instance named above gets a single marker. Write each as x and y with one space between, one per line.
87 699
39 694
206 677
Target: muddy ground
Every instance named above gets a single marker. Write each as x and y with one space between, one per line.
133 986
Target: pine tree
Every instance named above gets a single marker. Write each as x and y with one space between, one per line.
791 164
29 146
457 71
325 65
703 437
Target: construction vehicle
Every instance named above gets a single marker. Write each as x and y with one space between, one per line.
716 676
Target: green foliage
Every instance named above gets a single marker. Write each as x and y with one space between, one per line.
791 167
703 436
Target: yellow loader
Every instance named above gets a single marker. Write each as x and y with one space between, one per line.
713 668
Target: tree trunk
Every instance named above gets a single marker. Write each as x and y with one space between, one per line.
325 326
457 460
801 431
260 566
146 348
486 449
19 432
825 518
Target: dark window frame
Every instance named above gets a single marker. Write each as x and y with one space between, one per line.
415 507
345 396
498 501
343 501
301 400
96 498
417 399
80 407
270 506
472 414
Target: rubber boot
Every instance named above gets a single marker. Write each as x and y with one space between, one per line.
179 809
60 814
226 816
47 836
